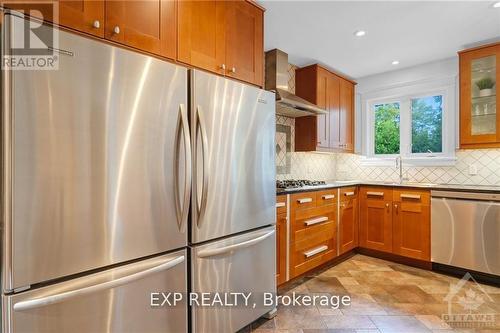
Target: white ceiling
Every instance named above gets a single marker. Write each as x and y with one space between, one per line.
411 32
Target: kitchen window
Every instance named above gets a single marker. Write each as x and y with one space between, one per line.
419 127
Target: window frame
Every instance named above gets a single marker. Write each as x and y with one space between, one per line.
403 96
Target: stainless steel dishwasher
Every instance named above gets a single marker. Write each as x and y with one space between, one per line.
466 230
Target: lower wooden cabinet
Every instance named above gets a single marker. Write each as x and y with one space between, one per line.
411 224
348 219
376 218
281 222
313 226
396 221
281 238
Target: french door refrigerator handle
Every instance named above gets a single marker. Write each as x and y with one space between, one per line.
201 129
182 211
225 249
57 298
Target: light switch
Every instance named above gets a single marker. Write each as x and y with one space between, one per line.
472 169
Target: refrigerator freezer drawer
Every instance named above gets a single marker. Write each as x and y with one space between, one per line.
93 146
116 300
244 263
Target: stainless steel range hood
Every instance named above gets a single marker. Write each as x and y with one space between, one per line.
287 103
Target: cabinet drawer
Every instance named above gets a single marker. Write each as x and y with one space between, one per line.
348 193
326 216
327 197
376 193
303 200
281 204
305 259
411 196
313 234
313 212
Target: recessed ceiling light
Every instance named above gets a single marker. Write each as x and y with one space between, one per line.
496 4
359 33
395 62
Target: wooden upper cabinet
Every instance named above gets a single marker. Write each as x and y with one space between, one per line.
148 25
376 218
244 42
83 15
224 37
346 115
411 224
335 130
201 34
479 91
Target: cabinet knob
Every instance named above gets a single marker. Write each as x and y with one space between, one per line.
233 70
387 205
223 66
116 30
96 24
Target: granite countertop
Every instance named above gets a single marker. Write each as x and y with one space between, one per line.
444 187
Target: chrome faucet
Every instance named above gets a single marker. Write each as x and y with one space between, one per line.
399 163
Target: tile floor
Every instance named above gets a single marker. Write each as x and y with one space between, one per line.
385 297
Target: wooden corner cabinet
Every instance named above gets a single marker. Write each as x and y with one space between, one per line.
376 218
479 91
333 131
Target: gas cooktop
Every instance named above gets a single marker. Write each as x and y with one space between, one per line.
292 183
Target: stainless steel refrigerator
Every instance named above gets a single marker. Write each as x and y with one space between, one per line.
233 240
94 173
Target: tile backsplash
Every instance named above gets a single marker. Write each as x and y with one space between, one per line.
340 166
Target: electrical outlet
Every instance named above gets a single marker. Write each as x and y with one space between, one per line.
472 169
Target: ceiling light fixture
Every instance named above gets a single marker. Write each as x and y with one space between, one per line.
395 62
496 4
359 33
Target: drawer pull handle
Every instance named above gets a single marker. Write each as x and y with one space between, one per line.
317 250
349 194
375 194
316 220
328 196
304 200
280 204
410 196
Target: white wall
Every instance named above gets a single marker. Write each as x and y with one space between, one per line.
370 85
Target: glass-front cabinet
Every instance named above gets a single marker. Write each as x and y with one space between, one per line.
479 91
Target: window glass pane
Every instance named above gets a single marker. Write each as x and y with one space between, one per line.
387 128
426 124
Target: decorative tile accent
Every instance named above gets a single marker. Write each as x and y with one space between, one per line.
314 166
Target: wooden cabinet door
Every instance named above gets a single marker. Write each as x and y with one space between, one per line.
479 118
411 224
376 219
348 227
346 118
281 222
148 25
83 15
333 110
201 36
244 42
322 100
